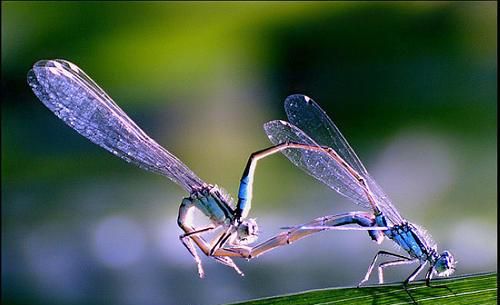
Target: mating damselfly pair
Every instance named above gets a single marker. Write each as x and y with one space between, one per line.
310 140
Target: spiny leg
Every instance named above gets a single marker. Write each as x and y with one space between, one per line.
219 253
428 277
370 268
398 262
221 240
197 231
192 235
188 243
402 261
405 287
223 256
412 276
228 262
184 209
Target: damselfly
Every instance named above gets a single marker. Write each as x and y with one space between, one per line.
77 100
330 159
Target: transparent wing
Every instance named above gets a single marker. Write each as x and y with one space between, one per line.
318 164
77 100
308 116
304 113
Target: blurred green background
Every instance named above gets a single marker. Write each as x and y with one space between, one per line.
412 86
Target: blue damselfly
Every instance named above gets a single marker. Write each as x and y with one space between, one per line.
330 159
77 100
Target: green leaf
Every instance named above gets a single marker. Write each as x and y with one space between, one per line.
477 289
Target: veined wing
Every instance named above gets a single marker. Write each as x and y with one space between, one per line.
304 113
77 100
318 164
308 116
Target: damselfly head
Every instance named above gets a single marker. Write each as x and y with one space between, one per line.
248 231
445 264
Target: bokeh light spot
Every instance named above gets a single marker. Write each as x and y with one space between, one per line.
118 242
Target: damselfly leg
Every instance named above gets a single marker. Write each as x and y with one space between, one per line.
380 270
